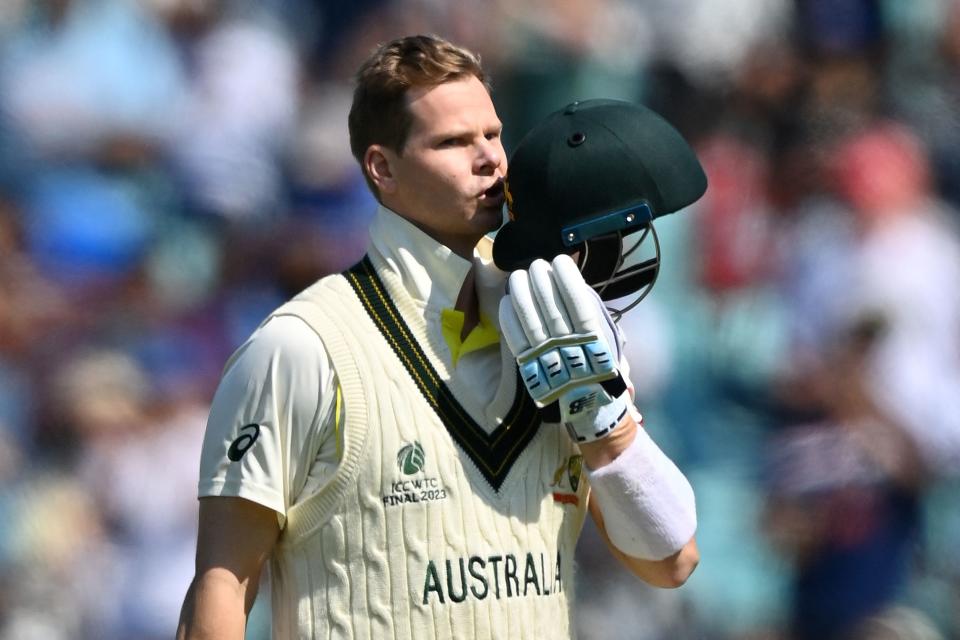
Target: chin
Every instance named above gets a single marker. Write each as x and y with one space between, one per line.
489 218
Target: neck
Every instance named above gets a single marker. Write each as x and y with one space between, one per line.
460 245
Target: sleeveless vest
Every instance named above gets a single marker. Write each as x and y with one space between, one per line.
438 523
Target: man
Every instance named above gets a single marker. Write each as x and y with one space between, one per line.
373 440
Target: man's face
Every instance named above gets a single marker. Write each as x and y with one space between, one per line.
449 178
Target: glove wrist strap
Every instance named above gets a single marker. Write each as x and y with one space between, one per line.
589 413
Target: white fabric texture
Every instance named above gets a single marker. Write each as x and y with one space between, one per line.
282 379
383 551
648 506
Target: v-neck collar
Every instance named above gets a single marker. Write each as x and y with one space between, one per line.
492 446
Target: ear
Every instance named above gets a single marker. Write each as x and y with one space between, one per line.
376 162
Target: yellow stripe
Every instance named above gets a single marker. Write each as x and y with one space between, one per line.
393 342
410 367
426 366
518 440
456 406
428 370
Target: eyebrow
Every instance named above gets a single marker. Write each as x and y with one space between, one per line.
460 132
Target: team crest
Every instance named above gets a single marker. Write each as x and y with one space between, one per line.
574 469
566 480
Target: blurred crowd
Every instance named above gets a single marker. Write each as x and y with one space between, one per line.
171 170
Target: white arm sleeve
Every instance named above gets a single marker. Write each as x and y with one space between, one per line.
648 505
272 418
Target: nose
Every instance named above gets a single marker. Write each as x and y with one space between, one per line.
490 157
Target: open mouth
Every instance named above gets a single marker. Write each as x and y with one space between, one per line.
493 196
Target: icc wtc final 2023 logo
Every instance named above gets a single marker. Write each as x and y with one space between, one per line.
411 459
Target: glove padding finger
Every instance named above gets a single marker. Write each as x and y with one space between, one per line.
511 328
548 299
526 309
578 299
553 356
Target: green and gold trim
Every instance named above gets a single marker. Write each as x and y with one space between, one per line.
493 453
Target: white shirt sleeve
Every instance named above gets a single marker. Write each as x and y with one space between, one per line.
273 420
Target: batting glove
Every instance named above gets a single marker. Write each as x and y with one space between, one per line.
552 323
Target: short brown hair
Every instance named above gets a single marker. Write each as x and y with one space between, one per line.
379 113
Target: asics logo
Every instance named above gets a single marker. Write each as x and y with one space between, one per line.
248 435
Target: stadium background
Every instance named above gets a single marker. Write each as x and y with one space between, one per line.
170 170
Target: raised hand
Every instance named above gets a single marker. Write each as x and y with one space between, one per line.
553 325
